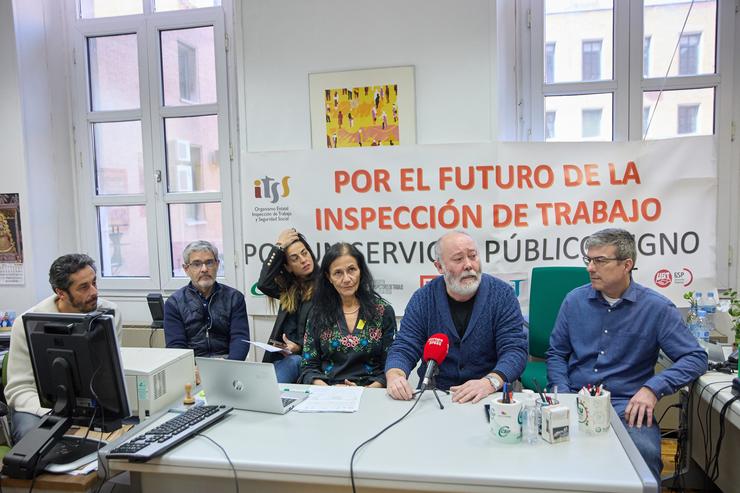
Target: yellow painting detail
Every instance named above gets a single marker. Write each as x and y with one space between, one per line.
362 116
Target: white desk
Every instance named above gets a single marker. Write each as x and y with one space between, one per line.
431 450
708 384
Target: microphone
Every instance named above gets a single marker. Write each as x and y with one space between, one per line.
435 352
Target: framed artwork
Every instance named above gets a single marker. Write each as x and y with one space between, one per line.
359 108
11 242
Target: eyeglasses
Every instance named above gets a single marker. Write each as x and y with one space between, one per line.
599 261
198 264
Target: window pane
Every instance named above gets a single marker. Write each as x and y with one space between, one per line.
188 66
646 56
680 112
114 72
582 117
119 162
192 154
165 5
108 8
191 222
123 241
696 46
583 34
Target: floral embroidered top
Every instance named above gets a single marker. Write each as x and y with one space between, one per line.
333 354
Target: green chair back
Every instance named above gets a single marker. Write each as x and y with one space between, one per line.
547 289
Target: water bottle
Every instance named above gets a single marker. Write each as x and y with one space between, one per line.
710 303
702 327
529 422
698 299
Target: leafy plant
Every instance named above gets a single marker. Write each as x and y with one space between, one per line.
734 312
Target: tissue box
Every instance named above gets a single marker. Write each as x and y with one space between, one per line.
555 423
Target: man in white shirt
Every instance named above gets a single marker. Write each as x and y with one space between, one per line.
73 279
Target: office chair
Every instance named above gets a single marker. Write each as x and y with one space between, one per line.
6 439
547 289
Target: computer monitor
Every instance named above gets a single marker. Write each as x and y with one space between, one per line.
77 365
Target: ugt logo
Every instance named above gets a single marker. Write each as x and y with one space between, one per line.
269 188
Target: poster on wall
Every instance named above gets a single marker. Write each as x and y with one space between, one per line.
363 108
526 205
11 241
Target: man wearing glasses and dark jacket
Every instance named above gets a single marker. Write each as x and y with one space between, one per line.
205 316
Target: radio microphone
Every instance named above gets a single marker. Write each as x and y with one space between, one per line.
435 352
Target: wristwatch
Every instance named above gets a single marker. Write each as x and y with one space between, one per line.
494 379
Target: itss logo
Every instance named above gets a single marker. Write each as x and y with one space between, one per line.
270 188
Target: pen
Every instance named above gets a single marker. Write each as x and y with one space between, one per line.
305 391
539 390
555 392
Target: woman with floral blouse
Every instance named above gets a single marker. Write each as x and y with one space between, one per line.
350 328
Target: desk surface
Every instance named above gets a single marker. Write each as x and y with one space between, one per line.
432 449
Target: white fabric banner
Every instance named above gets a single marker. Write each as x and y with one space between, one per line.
527 204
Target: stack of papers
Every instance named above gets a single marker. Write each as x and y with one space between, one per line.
331 400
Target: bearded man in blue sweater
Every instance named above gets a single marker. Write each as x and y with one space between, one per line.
479 314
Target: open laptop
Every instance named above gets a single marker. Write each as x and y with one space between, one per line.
245 385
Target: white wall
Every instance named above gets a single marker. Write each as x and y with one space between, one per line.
447 43
36 139
12 166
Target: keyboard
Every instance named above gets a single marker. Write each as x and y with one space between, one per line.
160 439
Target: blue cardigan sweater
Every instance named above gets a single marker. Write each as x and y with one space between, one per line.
493 340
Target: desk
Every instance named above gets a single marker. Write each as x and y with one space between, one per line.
431 450
707 385
63 482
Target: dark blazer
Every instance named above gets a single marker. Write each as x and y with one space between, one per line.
271 276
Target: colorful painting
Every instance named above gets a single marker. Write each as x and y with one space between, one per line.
363 108
360 116
11 243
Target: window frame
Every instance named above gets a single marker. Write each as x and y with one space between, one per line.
628 85
152 114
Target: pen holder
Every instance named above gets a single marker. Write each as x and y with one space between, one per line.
593 412
506 425
539 405
555 423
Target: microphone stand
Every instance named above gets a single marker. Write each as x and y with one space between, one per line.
433 387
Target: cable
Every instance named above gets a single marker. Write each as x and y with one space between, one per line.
713 466
151 336
665 77
352 459
233 469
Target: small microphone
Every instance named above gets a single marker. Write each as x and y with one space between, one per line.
435 352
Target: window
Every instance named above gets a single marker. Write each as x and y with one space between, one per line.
687 114
646 56
591 123
156 165
591 60
688 54
549 125
645 118
588 33
187 72
549 63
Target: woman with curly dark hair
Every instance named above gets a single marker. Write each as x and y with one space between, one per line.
350 327
287 277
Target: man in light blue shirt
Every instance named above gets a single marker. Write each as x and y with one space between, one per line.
610 333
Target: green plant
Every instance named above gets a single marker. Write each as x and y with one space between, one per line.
693 306
734 312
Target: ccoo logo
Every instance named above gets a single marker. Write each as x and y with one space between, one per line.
272 189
